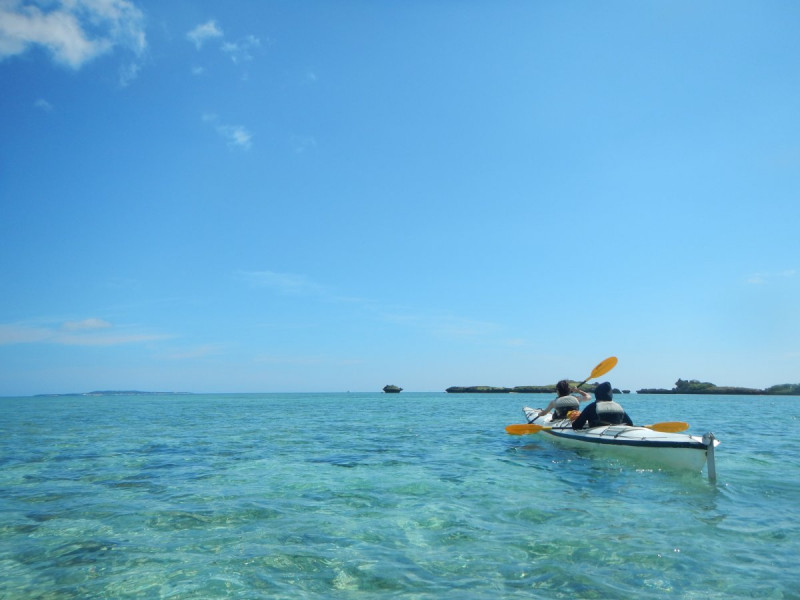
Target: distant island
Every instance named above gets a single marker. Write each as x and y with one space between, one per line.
115 393
392 389
692 386
520 389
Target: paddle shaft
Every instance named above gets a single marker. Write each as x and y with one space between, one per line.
666 427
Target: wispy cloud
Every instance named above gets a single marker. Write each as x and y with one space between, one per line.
200 351
87 332
237 136
86 324
204 32
303 143
128 73
764 278
118 339
438 325
307 360
284 283
43 104
449 326
240 50
23 334
74 31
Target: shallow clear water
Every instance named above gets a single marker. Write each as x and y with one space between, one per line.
372 496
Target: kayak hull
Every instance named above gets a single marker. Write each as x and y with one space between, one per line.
641 445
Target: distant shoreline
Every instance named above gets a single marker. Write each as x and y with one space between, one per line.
681 387
114 393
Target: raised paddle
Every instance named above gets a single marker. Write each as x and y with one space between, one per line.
665 426
601 369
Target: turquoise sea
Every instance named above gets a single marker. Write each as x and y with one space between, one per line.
417 495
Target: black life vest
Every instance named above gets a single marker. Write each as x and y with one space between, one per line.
609 413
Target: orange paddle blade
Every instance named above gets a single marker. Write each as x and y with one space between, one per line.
604 367
601 369
522 429
669 426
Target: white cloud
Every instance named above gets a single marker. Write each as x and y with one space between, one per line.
86 324
240 51
74 31
202 33
237 136
43 104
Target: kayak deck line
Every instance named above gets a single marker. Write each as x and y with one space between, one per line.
617 438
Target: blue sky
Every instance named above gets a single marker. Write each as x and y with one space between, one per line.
330 196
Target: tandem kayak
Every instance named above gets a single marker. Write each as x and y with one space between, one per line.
640 444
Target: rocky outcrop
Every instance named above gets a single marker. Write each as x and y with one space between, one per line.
392 389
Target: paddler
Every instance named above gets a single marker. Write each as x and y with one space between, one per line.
565 401
603 411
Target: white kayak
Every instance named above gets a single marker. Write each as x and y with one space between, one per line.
644 446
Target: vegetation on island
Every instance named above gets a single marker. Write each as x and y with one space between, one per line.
392 389
693 386
520 389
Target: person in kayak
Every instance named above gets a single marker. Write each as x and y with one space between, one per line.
603 411
565 401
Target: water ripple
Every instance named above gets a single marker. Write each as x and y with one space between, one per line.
418 497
